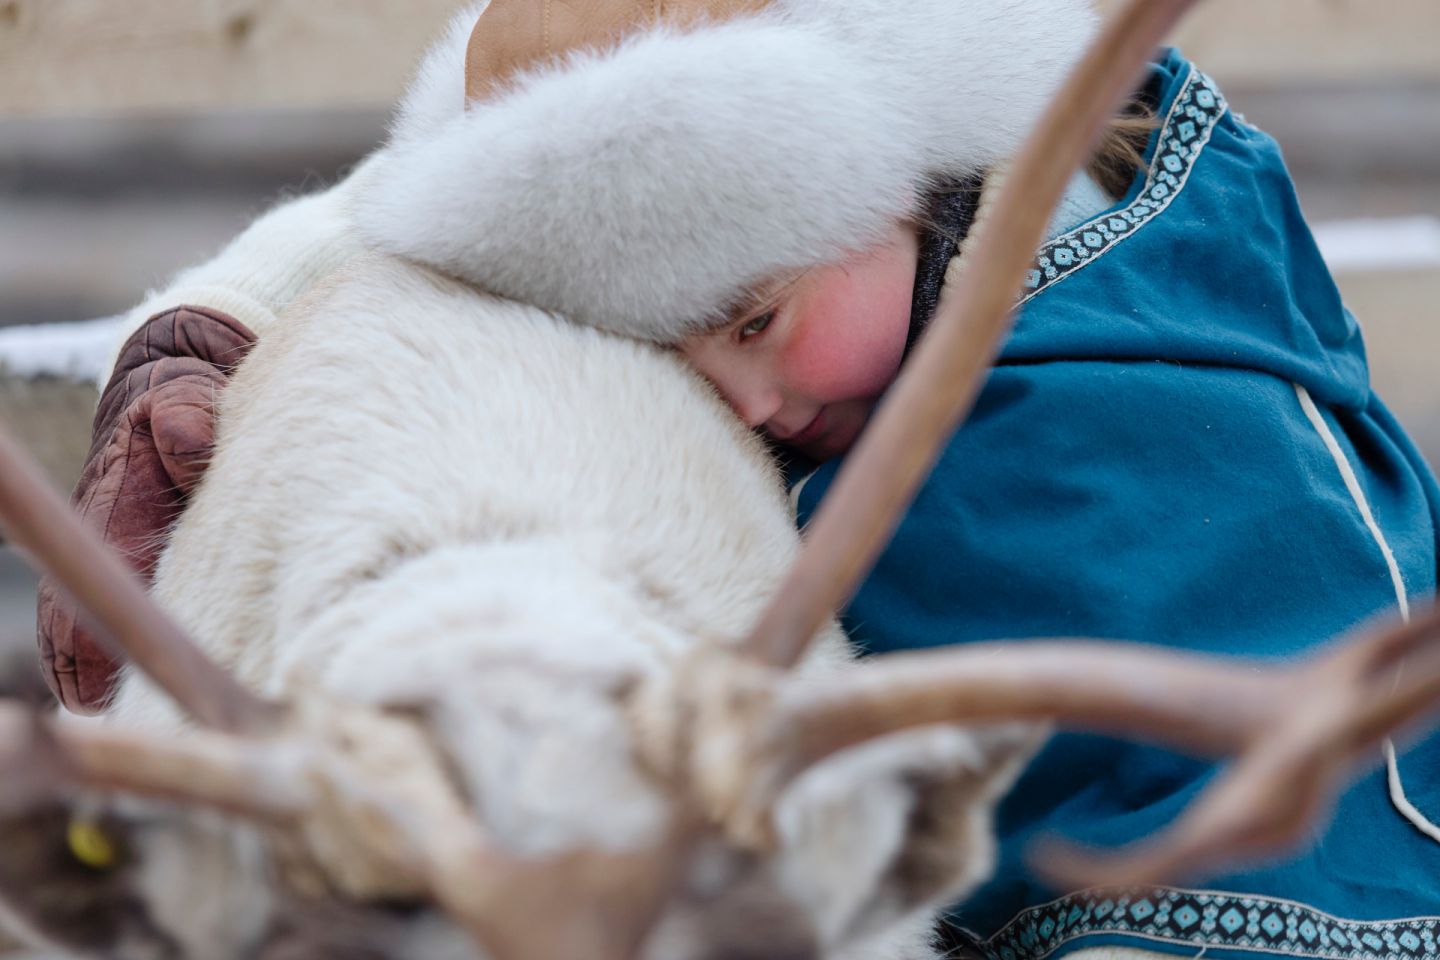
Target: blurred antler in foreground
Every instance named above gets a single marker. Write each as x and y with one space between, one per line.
1298 733
37 520
1330 720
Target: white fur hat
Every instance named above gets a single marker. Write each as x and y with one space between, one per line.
643 188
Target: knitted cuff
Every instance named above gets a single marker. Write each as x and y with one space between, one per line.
263 270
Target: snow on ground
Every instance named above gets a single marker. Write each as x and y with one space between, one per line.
77 351
1394 243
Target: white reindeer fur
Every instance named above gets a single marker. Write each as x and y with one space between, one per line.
428 496
638 189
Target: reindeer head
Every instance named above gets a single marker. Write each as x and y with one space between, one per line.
864 840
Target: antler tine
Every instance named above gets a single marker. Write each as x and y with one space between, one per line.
255 778
1298 731
25 769
1353 699
1381 648
34 517
611 898
940 382
314 797
1199 703
1388 676
1266 804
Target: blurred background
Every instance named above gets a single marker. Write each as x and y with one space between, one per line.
136 136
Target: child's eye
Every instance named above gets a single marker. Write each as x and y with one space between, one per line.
756 326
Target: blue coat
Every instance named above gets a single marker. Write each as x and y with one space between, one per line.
1157 457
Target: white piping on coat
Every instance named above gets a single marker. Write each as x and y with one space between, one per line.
1352 483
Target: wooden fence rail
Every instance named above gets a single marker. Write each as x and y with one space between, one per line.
100 56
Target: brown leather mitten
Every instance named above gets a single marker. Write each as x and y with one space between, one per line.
151 441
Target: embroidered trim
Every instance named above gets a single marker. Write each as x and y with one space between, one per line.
1212 920
1184 134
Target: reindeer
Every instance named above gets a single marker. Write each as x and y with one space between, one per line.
534 698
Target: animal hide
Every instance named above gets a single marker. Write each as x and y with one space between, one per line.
428 498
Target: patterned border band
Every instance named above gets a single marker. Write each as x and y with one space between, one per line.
1213 921
1186 130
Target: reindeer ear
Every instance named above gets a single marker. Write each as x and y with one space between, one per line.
901 823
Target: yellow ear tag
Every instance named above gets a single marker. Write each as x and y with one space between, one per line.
89 845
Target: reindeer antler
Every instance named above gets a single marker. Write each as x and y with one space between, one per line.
940 382
372 820
35 518
1298 732
1340 707
253 778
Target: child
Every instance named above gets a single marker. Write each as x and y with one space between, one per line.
1178 445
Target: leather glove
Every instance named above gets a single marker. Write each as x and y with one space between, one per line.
152 438
154 428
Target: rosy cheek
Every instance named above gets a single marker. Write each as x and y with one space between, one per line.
847 338
817 363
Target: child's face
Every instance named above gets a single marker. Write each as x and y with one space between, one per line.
809 367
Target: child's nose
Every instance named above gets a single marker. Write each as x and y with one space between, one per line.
754 402
744 383
758 412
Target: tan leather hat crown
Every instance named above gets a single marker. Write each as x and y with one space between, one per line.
515 35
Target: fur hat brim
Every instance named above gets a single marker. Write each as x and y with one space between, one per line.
643 189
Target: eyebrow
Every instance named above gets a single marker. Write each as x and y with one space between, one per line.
757 303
